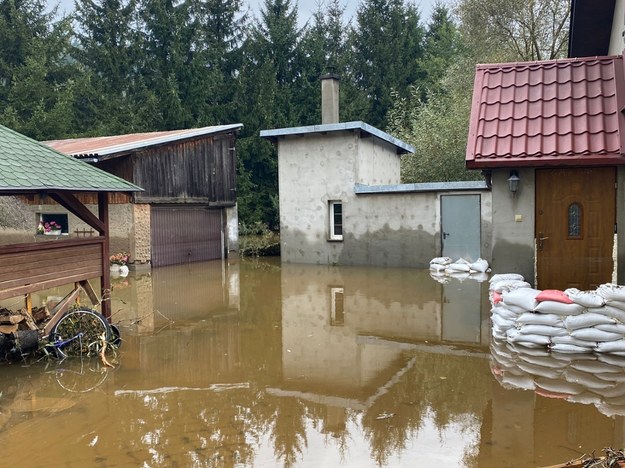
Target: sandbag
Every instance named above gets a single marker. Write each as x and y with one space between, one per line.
588 319
558 386
522 297
569 340
441 261
506 277
614 346
480 265
437 267
457 267
609 311
594 334
515 336
595 367
508 285
506 313
527 318
585 298
568 348
558 308
618 304
553 295
501 322
612 327
612 292
546 330
585 379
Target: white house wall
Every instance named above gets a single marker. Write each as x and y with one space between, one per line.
513 224
618 26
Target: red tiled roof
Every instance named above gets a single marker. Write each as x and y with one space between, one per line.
109 145
556 112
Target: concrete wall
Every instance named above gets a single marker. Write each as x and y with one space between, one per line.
396 227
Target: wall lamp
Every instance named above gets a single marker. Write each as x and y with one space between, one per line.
513 182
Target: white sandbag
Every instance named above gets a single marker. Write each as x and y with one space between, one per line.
457 267
501 322
585 398
612 292
480 265
539 371
545 330
532 351
525 381
611 377
508 285
595 367
615 346
611 410
437 267
620 305
533 318
522 297
462 261
441 261
588 319
612 327
558 308
558 386
609 311
611 358
498 333
506 277
569 340
569 348
585 379
504 312
585 298
515 336
614 391
594 334
543 361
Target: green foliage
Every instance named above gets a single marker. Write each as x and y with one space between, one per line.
257 240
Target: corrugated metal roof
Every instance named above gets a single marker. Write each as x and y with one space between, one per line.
107 145
26 166
401 146
564 112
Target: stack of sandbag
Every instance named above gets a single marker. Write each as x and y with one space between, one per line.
570 321
582 378
461 269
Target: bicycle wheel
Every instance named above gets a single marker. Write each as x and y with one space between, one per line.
80 332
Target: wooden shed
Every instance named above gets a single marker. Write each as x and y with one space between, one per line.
187 211
29 169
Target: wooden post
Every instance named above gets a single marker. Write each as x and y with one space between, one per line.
29 304
105 279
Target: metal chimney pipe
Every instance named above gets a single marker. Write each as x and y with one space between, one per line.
329 98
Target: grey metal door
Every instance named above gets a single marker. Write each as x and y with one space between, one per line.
460 226
185 234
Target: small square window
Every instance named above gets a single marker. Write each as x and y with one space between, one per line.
52 223
336 220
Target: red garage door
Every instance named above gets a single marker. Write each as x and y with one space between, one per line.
185 234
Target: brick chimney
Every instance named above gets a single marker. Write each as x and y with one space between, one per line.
329 98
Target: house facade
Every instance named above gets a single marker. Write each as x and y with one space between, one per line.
550 138
342 203
187 211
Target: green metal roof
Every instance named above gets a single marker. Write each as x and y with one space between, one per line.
26 165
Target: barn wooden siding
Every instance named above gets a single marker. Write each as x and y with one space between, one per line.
199 171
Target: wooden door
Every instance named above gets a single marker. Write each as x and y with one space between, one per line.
575 219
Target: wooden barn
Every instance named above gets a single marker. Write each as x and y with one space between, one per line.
187 211
37 262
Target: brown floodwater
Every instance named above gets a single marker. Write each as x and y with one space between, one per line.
254 363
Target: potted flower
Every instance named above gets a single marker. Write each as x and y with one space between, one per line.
118 262
52 228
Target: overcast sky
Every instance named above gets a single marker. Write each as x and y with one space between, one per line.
305 7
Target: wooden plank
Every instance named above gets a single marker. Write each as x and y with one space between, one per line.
89 271
60 309
40 286
93 297
52 245
47 264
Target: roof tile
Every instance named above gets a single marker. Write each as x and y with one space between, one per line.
549 112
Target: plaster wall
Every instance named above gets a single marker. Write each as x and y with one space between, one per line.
617 39
232 230
377 163
513 224
620 226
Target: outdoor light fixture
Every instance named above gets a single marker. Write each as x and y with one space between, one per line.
513 182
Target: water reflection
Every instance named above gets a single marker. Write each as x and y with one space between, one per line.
260 364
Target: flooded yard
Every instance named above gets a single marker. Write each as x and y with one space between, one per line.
254 363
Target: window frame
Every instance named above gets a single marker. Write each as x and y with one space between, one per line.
332 224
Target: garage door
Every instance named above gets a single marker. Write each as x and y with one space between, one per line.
185 234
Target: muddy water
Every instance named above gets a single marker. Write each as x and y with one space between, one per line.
254 363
